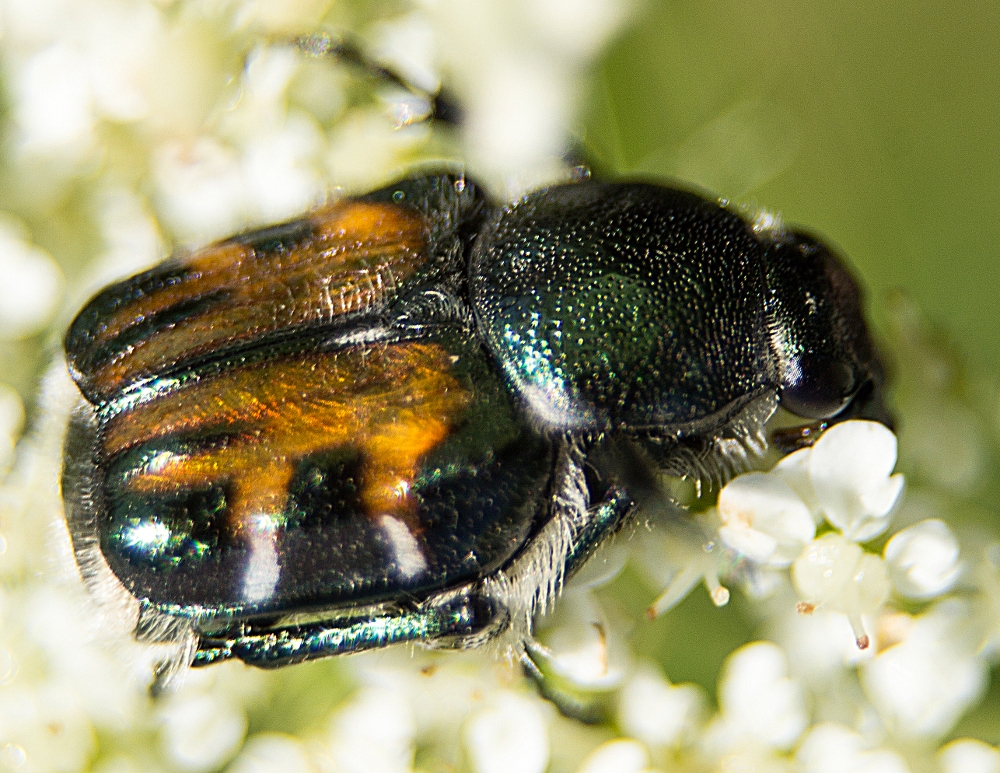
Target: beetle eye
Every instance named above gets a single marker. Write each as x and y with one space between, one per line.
821 388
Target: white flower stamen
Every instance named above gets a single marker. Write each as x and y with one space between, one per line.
701 566
837 573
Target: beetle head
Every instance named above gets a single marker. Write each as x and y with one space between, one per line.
828 366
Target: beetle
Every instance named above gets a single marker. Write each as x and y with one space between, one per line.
411 414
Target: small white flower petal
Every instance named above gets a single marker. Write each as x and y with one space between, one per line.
869 526
764 518
43 727
581 645
794 471
32 284
922 685
759 704
849 469
577 28
201 731
657 712
510 734
871 581
278 167
200 187
53 102
374 733
879 506
623 755
123 41
883 498
865 449
755 545
968 755
822 652
832 748
270 752
408 43
824 567
923 559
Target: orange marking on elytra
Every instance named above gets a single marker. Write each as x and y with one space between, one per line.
358 253
392 403
397 452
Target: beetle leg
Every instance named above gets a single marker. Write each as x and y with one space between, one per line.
624 463
443 108
602 520
459 616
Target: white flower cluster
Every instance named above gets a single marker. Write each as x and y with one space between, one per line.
771 519
824 695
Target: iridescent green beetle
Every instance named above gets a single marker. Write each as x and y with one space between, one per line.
410 415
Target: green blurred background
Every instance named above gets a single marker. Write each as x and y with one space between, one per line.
874 124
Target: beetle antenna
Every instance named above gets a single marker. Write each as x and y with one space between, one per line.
443 108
